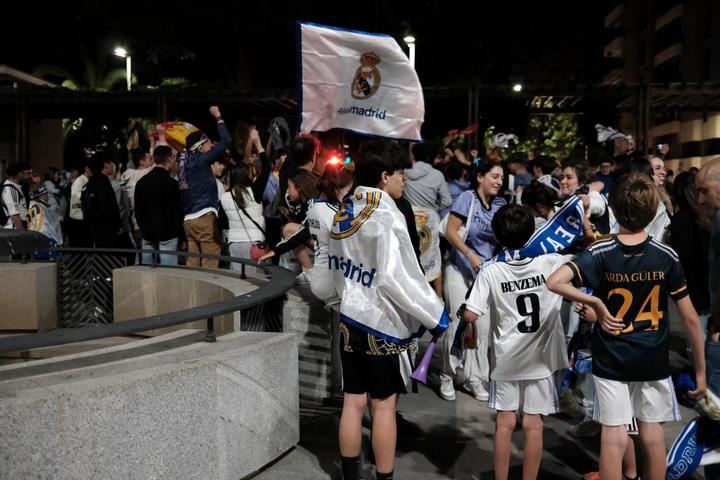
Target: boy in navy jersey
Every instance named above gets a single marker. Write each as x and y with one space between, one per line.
632 275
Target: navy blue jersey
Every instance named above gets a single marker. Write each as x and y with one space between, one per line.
634 282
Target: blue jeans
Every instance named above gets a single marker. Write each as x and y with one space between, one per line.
166 245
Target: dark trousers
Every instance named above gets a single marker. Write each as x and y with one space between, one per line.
78 233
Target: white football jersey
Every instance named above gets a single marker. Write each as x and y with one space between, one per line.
319 222
528 342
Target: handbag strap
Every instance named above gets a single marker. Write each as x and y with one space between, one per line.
471 210
262 230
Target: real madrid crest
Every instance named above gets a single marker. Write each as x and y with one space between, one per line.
423 230
367 77
354 213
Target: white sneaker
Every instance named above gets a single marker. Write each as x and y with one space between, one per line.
305 275
447 389
477 390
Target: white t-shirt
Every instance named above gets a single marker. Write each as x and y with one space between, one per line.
128 182
528 342
221 189
13 202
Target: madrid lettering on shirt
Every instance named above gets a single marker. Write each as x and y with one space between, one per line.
350 271
634 277
522 284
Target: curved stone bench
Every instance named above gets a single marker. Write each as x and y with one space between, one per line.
142 291
169 407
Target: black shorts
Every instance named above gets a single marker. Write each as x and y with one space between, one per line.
377 375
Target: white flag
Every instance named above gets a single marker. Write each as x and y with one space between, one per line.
357 81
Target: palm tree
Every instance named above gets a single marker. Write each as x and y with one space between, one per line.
94 77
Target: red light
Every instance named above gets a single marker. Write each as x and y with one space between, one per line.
334 161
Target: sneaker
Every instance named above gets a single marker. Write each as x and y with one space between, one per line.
447 389
596 476
585 429
305 275
570 405
477 390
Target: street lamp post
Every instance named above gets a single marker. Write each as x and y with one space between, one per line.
410 42
121 52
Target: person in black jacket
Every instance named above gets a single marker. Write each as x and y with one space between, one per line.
157 207
690 237
100 207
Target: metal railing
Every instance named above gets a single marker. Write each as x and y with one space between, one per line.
85 295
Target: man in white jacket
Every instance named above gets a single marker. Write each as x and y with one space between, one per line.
385 304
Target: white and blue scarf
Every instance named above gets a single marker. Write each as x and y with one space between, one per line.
561 231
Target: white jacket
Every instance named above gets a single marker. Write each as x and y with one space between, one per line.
377 276
240 227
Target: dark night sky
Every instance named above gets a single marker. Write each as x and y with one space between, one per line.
252 44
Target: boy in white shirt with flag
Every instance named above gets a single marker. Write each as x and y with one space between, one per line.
528 343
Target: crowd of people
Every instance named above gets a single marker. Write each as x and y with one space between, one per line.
402 240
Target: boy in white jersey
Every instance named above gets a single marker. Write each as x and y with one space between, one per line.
528 343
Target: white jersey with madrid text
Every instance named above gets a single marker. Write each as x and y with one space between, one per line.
528 342
319 221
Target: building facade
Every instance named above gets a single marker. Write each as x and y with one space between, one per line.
670 50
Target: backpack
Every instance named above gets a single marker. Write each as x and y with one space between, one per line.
4 217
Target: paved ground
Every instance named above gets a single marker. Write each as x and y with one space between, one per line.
456 442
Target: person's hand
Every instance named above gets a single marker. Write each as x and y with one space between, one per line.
475 261
586 203
715 337
700 386
270 254
586 313
467 315
255 138
215 111
608 323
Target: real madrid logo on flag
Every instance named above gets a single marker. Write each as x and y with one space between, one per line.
357 81
367 77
